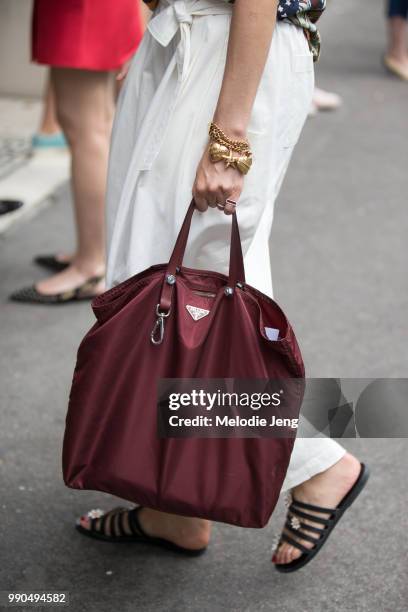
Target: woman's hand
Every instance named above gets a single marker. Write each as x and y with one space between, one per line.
122 74
215 183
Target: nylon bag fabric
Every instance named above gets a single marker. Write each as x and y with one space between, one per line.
111 442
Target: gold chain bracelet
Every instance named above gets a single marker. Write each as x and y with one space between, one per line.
222 148
217 135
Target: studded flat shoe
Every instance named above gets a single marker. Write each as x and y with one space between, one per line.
32 296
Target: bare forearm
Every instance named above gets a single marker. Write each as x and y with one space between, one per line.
219 184
250 37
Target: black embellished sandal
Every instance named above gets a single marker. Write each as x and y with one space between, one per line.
83 292
51 262
114 526
317 535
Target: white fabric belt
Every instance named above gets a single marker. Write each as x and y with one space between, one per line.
178 15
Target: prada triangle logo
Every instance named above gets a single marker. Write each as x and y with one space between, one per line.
197 313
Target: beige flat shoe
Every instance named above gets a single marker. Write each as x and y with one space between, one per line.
396 68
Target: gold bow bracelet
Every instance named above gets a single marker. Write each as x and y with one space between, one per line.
219 152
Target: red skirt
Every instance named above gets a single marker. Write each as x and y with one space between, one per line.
87 34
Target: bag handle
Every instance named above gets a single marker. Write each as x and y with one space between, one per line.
236 262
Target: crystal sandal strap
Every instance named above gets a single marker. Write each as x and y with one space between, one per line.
107 519
119 530
312 528
312 507
134 522
310 517
297 529
122 522
301 534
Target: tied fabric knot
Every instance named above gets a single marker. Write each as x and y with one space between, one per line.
171 18
164 26
181 12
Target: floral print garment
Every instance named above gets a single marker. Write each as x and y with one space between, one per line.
302 13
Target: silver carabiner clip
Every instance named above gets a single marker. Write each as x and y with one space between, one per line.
158 328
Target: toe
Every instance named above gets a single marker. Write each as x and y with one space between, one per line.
294 553
280 554
84 521
288 554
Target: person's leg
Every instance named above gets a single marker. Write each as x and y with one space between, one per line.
396 57
320 472
49 134
273 145
325 489
311 456
397 38
49 124
85 108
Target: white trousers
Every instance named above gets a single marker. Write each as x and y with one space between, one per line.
159 135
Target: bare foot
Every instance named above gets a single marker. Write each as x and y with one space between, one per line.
186 532
71 278
326 489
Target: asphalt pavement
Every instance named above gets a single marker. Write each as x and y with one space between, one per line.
339 253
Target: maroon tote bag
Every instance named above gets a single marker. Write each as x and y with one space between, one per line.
146 330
